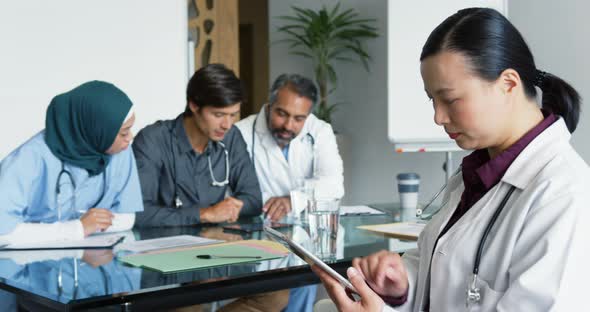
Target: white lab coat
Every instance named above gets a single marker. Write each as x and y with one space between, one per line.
536 256
276 175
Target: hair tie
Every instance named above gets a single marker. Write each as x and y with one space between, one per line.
539 78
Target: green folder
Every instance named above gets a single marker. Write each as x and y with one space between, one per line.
186 260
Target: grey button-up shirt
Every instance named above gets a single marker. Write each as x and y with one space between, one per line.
168 164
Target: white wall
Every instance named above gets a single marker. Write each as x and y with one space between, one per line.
558 34
49 47
370 162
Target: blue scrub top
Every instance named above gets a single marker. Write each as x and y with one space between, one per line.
28 178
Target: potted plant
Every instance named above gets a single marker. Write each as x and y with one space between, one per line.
326 37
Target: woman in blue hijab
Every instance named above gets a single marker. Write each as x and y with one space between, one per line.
77 176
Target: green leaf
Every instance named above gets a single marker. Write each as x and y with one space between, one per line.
331 74
345 59
344 16
306 12
301 53
295 44
347 23
289 27
294 19
332 108
299 37
335 10
359 51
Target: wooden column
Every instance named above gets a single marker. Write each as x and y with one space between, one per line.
215 27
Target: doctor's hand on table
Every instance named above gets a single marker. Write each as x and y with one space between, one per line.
277 207
218 233
227 210
95 220
369 301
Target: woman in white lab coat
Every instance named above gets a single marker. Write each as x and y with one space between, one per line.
481 78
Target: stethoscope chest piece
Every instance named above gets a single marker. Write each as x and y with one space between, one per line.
473 294
177 202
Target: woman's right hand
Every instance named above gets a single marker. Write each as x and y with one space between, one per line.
385 272
97 257
96 219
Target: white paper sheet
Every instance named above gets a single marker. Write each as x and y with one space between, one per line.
359 210
167 242
405 230
93 241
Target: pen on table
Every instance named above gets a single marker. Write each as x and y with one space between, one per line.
122 238
226 257
357 213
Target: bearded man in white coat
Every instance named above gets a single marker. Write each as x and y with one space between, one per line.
288 144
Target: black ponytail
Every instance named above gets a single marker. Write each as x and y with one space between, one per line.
491 44
559 98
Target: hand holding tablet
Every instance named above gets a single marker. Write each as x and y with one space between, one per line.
347 297
308 257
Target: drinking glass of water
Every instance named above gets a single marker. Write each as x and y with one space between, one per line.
324 218
301 196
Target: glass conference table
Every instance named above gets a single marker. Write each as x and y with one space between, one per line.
95 279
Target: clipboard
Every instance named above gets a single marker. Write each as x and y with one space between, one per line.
185 258
92 242
401 230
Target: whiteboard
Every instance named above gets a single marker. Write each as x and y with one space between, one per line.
411 124
49 47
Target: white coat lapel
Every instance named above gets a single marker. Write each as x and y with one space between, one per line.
536 155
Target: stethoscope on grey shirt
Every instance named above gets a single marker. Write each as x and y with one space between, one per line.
473 293
311 140
177 202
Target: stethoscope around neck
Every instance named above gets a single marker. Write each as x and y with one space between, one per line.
310 139
473 292
177 202
68 174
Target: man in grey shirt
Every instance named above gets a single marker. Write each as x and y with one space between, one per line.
187 165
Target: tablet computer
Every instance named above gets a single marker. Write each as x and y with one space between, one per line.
308 257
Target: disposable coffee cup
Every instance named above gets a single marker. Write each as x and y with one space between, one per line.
408 185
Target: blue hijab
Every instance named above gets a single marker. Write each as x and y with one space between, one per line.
83 123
